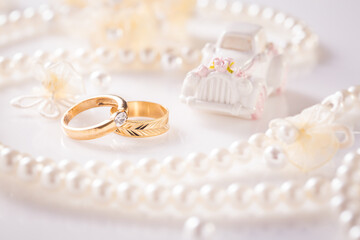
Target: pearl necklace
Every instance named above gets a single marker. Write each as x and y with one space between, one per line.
301 43
77 179
123 190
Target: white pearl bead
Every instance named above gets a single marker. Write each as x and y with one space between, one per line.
338 203
352 160
279 18
40 56
338 186
8 159
67 165
236 7
184 198
194 228
100 79
292 194
20 61
60 54
344 172
28 169
83 55
198 163
258 140
266 195
348 99
95 167
76 182
203 3
102 190
221 158
287 134
148 167
47 15
128 195
289 22
267 13
4 65
347 219
274 157
126 56
170 62
253 10
44 161
104 55
122 168
354 233
51 177
220 5
212 197
29 14
240 196
15 17
147 55
317 189
355 91
156 196
270 133
241 151
174 166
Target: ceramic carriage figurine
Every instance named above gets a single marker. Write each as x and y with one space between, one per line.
237 74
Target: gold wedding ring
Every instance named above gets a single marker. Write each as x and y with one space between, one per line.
156 125
131 119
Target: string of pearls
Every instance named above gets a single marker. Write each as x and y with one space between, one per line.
181 196
95 175
302 38
346 191
172 168
20 24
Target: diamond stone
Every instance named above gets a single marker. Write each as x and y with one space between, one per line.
120 119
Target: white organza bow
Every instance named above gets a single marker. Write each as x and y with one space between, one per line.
317 137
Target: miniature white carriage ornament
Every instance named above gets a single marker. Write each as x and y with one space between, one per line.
237 74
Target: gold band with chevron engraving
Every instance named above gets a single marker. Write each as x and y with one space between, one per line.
130 119
145 119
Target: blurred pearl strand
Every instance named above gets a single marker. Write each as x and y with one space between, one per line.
303 38
26 23
341 192
58 176
346 194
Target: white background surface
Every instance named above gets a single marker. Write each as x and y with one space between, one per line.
336 24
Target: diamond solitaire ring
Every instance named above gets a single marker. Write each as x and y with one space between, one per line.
141 119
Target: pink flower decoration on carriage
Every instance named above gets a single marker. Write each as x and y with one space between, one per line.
222 65
203 71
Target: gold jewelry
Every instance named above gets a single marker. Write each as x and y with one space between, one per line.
119 110
145 128
119 121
